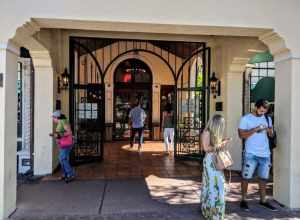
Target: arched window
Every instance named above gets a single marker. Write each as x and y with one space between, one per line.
263 67
132 82
259 80
261 70
133 71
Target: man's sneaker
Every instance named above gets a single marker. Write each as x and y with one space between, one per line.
267 205
244 206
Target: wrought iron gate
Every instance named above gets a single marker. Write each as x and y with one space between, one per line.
86 104
92 58
192 103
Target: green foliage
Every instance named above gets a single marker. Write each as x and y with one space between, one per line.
199 77
199 80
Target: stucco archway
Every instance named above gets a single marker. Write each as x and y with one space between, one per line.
286 116
287 65
43 150
45 71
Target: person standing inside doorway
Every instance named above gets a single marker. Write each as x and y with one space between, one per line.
255 129
64 140
168 126
137 117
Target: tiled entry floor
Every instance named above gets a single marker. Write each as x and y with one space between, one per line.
121 161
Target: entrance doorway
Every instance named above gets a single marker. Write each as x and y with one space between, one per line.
93 107
132 82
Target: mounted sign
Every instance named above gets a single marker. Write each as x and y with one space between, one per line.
88 111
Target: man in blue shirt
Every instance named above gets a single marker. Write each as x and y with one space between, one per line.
254 129
137 118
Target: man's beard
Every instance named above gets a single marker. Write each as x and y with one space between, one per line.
259 114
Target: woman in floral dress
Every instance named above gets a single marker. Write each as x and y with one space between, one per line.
213 181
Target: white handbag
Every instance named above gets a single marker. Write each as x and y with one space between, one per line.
222 159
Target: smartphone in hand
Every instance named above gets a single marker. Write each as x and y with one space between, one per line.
55 134
262 127
226 140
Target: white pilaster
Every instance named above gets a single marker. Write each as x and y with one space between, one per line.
109 97
44 150
234 108
8 129
287 122
156 103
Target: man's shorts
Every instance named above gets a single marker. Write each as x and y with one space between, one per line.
252 162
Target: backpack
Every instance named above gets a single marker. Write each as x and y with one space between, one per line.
272 140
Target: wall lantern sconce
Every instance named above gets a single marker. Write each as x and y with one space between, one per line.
215 85
64 84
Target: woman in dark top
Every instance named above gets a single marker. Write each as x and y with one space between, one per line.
168 126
